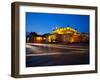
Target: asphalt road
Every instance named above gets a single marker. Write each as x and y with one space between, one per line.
54 54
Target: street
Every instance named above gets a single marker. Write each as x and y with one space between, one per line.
56 54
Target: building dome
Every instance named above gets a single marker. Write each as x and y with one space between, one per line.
66 30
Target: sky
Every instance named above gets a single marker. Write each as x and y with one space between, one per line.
42 23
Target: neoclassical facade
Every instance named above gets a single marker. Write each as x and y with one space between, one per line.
65 35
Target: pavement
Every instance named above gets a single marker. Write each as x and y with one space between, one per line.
56 54
35 49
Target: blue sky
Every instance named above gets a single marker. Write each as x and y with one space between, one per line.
46 22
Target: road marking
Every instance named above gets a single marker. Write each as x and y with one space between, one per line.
53 45
45 54
56 47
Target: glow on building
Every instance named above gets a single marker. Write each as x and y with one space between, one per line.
66 30
52 38
66 35
61 35
38 38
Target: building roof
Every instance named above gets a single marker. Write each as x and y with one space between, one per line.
65 30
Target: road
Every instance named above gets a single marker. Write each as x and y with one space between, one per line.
55 54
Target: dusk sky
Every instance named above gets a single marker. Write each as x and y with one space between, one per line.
46 22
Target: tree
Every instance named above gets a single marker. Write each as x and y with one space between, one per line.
32 35
46 34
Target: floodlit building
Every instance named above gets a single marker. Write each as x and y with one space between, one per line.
54 38
65 35
60 35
